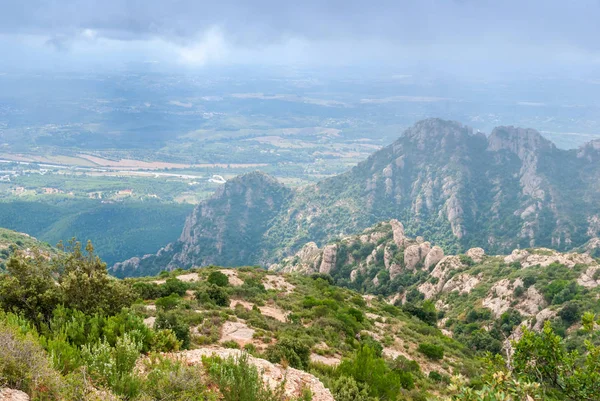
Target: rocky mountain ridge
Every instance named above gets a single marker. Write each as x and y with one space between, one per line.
530 285
458 188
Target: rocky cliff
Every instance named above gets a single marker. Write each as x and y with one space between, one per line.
227 229
458 188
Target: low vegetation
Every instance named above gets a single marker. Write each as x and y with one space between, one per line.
69 331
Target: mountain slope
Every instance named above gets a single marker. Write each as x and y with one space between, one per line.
473 290
227 229
457 188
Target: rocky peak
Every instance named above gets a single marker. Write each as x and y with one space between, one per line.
435 132
520 141
590 151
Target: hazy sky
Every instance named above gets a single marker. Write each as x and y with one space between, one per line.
471 37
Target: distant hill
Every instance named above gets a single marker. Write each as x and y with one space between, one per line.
457 188
12 241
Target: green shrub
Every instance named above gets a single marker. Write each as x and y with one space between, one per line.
24 365
113 366
174 322
173 286
173 380
466 260
169 302
290 350
570 313
238 380
219 279
402 363
230 344
425 311
165 340
215 294
345 388
431 351
372 372
147 290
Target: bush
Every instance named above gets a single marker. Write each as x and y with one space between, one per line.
219 279
466 260
425 312
518 291
24 365
238 380
173 286
373 373
174 322
173 380
570 313
165 340
431 351
214 294
113 366
169 302
291 350
345 388
147 290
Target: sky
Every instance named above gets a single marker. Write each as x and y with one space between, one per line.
464 37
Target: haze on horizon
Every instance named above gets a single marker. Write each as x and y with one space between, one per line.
462 38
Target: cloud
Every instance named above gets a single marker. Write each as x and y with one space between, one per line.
211 46
465 35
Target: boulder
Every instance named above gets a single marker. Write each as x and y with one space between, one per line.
7 394
434 256
412 256
476 254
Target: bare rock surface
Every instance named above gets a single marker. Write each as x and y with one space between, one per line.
326 360
398 232
462 283
329 259
268 310
476 254
237 331
545 257
434 256
590 278
232 275
273 282
274 375
7 394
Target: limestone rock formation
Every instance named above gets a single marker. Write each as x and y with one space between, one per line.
7 394
398 233
329 258
436 176
294 380
476 254
434 256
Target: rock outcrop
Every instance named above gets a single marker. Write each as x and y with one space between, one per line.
434 256
329 259
476 254
274 375
545 257
7 394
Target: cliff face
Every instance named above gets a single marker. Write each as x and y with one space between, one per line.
458 188
226 230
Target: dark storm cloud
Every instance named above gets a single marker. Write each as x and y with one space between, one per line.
392 30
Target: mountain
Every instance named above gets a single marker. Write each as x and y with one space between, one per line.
500 293
457 188
226 229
